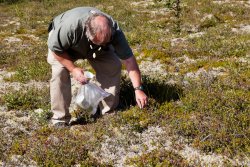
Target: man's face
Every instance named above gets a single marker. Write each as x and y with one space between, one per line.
100 40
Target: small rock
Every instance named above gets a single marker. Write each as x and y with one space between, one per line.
53 139
176 41
153 68
207 17
3 108
38 111
196 35
242 29
12 39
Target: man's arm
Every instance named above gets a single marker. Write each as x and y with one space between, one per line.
135 76
66 61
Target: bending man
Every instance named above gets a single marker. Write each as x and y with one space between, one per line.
87 33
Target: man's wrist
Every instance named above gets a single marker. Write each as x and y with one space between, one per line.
72 69
139 88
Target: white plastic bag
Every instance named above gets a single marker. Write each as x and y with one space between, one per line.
89 95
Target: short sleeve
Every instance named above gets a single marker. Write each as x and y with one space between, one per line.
61 39
120 44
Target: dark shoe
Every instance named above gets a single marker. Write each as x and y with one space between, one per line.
82 120
97 114
77 121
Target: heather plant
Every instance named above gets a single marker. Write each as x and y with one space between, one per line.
50 147
10 1
159 158
27 99
2 144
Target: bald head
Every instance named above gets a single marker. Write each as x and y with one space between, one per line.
99 29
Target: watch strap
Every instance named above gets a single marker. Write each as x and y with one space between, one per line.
139 88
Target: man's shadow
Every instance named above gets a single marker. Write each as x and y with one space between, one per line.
158 89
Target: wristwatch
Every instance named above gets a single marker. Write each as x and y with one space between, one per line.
139 88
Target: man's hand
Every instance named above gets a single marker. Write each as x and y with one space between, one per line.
135 76
141 98
78 75
76 72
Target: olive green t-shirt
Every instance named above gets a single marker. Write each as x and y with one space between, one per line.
69 35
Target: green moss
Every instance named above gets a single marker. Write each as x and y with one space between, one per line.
135 118
156 54
21 30
194 66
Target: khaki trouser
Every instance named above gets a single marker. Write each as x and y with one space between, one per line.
108 73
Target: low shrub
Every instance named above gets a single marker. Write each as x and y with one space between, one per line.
27 99
159 158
